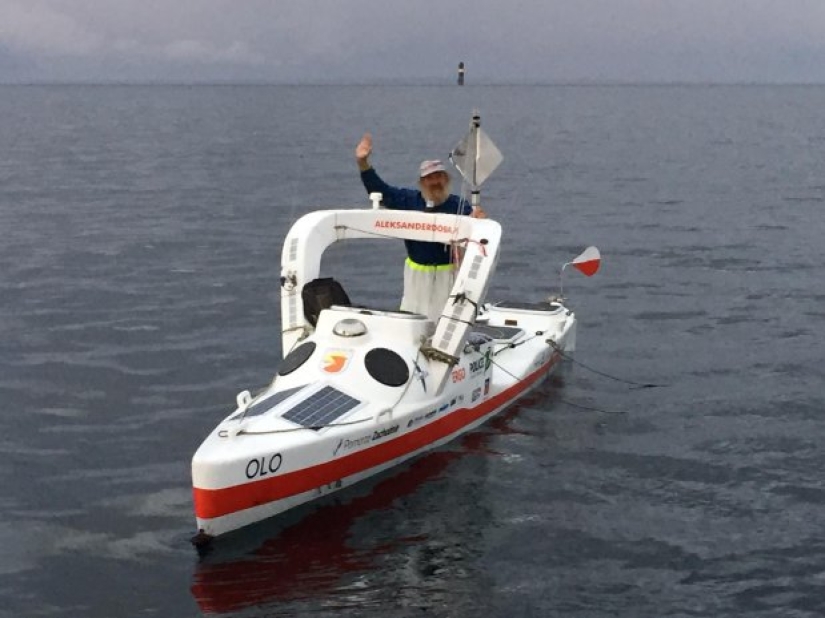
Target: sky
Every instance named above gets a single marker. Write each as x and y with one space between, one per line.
375 41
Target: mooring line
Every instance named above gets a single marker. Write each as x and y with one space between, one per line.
556 347
562 400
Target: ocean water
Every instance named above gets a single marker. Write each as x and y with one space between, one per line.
140 238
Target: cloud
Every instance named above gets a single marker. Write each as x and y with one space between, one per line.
192 51
40 30
363 40
28 28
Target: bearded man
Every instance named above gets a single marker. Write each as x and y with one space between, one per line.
429 270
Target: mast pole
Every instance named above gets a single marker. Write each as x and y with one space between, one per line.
475 131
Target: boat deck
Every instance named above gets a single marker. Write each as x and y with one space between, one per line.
499 334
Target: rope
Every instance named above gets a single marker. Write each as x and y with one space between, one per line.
302 428
507 346
461 297
407 385
590 408
368 232
556 347
562 400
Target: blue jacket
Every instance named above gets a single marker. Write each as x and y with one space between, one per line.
425 253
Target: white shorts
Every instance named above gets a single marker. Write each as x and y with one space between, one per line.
427 288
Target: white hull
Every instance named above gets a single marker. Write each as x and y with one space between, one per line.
361 390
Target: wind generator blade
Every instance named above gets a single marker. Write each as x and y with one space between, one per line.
476 157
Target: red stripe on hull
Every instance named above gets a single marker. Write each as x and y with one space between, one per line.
211 503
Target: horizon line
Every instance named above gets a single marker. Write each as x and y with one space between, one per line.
409 82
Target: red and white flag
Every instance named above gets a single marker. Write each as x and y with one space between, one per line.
588 261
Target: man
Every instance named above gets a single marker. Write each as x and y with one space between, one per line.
428 270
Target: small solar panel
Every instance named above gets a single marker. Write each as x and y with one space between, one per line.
265 405
321 409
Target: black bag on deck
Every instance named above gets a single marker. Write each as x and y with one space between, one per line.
321 294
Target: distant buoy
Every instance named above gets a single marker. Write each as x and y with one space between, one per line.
460 73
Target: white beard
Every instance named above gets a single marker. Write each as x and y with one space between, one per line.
438 196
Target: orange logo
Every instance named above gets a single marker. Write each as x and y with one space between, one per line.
335 361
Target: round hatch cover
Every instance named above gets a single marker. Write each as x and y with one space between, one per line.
296 358
350 327
387 367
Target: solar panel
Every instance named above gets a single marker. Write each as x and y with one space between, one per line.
265 405
321 409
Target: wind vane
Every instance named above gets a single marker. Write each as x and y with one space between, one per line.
476 157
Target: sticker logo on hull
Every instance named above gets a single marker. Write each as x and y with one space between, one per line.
335 361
